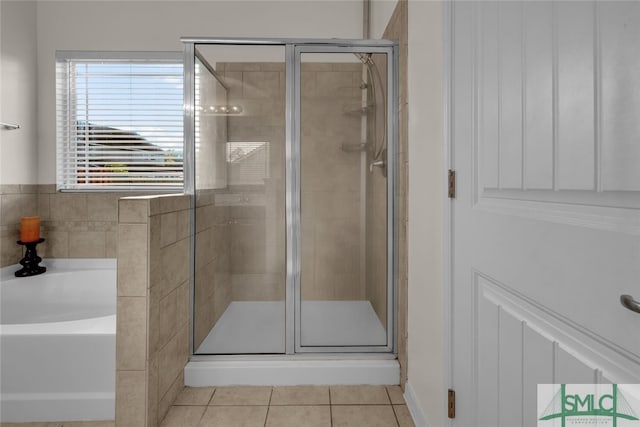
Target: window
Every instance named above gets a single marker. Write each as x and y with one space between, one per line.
119 121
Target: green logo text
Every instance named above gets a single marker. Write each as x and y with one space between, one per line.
565 405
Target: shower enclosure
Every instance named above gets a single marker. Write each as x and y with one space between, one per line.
290 156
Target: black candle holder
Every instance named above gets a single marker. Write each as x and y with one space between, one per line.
31 260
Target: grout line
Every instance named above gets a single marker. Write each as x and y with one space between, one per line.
268 407
212 394
360 404
211 398
393 408
330 408
201 416
238 405
331 415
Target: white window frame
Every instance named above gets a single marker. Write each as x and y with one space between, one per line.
65 119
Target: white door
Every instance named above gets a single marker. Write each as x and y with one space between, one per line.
545 133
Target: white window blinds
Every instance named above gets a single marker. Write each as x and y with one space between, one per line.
119 121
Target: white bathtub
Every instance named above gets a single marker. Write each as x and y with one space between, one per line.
57 342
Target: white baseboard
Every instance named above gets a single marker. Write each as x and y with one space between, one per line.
30 407
419 418
291 372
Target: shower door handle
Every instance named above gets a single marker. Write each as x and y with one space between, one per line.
379 163
628 302
9 126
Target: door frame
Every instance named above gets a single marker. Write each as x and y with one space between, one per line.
293 48
447 259
293 215
448 266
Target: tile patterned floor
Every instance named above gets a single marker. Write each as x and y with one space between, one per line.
62 424
300 406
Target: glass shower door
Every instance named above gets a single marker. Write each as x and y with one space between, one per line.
240 268
292 167
344 294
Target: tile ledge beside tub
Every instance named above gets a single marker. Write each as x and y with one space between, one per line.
152 339
129 207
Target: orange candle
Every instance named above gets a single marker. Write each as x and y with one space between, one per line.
30 229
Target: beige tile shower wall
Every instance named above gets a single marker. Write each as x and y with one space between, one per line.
212 274
152 338
331 182
397 29
330 210
376 188
16 201
256 209
331 189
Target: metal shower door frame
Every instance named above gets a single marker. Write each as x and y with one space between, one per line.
391 50
293 49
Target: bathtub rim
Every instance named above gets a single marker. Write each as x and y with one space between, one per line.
61 265
102 325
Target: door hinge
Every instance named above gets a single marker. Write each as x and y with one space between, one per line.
452 184
451 403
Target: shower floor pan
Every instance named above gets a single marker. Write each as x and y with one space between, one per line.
250 327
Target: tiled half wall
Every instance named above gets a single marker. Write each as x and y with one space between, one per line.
150 237
152 339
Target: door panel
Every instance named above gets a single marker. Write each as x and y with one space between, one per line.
240 261
542 247
537 359
620 86
521 344
344 292
510 369
538 90
575 95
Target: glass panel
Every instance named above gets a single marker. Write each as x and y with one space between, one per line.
240 214
343 219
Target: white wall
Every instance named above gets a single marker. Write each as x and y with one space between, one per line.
18 92
427 367
148 25
158 25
